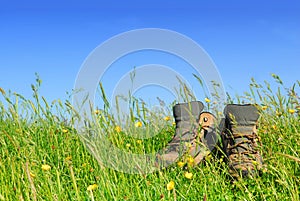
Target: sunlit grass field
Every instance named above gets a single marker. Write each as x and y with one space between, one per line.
42 156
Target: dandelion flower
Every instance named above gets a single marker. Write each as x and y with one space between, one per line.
138 124
207 100
46 167
188 175
167 118
170 185
139 141
118 129
180 164
64 130
97 112
291 111
92 187
128 145
174 123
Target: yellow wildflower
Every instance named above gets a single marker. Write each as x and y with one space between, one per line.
264 107
174 123
46 167
68 158
170 185
32 175
278 113
190 161
138 124
97 112
291 111
188 144
118 129
180 164
139 141
92 187
128 145
274 127
64 130
188 175
167 118
207 100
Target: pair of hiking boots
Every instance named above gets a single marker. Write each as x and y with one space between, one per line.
197 134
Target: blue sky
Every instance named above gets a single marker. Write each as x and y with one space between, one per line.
244 39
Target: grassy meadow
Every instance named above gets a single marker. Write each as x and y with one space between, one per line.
42 156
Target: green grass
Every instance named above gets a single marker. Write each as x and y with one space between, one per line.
33 133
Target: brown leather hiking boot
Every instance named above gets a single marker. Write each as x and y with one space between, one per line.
188 139
240 140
